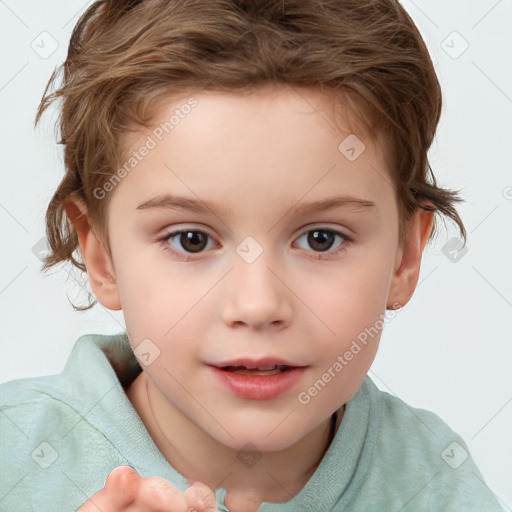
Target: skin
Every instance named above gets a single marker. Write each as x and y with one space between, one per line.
126 490
261 156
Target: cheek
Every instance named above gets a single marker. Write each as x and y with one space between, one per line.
152 299
351 299
350 309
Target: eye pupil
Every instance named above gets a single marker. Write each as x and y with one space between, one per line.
193 241
321 240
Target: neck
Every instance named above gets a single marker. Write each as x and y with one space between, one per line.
250 477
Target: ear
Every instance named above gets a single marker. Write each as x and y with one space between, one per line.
408 260
100 269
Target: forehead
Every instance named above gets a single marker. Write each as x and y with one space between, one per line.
272 142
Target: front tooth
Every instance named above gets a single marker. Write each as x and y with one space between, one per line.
266 368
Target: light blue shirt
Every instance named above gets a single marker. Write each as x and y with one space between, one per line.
60 437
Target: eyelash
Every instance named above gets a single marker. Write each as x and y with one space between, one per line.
179 255
319 254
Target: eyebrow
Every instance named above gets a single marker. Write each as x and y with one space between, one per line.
168 201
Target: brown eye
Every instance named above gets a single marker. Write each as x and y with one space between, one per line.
321 240
188 241
193 241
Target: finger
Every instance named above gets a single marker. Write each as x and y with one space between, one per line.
122 476
158 494
200 498
120 491
123 485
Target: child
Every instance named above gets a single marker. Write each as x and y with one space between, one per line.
287 140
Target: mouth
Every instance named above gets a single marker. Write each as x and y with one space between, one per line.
264 379
272 369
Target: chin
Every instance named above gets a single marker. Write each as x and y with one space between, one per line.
260 437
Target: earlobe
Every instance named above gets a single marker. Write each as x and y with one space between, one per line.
98 261
405 277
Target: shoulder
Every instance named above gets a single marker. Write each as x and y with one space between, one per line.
92 352
97 365
51 429
416 450
417 428
106 354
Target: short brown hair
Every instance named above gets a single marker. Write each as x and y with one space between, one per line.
126 55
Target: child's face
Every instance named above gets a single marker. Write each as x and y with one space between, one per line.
251 166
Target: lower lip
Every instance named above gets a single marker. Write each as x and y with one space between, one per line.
258 387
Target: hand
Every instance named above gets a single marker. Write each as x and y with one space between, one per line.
127 491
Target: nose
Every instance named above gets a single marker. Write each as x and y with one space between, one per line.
255 296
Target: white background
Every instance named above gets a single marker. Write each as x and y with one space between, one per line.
449 350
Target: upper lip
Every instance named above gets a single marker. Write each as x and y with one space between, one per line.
256 363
